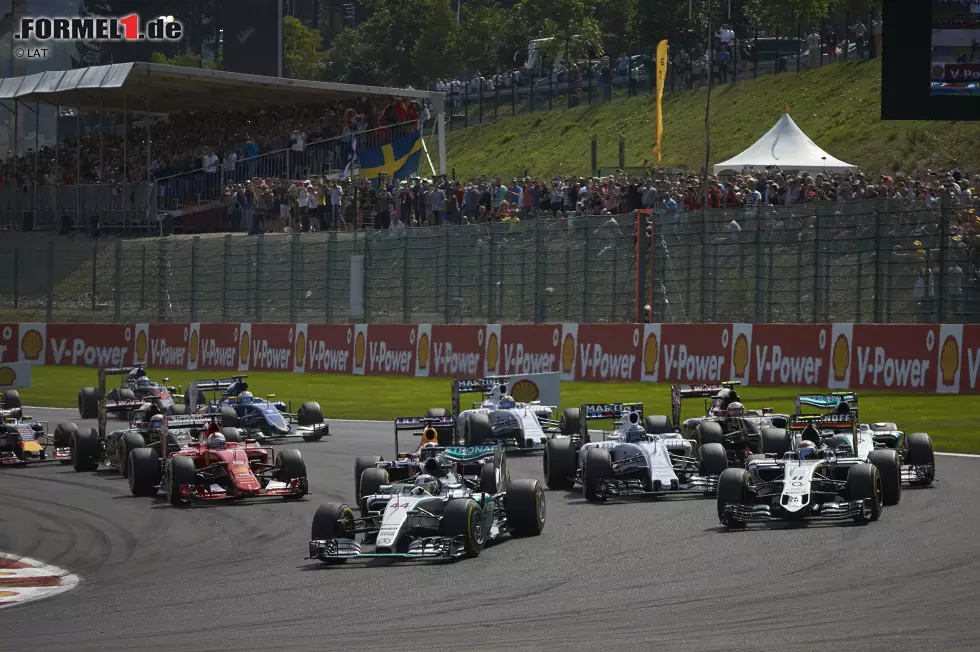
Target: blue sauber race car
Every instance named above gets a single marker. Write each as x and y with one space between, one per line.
257 417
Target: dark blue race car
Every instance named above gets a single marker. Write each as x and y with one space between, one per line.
256 417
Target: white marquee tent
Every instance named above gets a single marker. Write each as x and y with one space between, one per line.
785 146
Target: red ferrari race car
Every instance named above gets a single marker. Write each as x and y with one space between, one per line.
216 466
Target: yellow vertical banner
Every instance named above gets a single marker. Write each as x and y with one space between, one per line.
661 76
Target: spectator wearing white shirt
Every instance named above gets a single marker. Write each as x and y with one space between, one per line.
209 163
337 206
813 43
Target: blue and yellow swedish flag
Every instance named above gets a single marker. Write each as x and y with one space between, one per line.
399 160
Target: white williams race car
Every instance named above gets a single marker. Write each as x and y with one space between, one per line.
629 461
520 427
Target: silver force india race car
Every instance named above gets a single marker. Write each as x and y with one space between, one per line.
817 477
915 449
435 514
630 461
521 427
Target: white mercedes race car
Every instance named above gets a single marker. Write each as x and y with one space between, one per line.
629 461
520 427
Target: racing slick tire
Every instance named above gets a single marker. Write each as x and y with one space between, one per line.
292 467
712 460
232 436
86 450
919 453
11 399
128 442
733 487
144 472
595 471
864 483
178 409
88 403
371 481
570 423
476 429
890 468
180 471
436 413
360 465
488 479
62 437
229 418
525 507
126 394
657 424
775 441
309 414
332 521
709 432
560 464
464 517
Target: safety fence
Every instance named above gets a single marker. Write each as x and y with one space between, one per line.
903 357
124 207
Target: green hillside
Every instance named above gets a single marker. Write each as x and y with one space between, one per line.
838 106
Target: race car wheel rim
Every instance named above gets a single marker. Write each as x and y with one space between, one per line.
476 528
542 507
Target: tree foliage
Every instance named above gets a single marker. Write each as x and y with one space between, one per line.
301 54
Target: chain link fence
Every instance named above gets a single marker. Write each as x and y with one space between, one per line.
582 269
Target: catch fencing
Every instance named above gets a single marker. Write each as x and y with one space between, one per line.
869 262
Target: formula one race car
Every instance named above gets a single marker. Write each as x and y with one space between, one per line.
740 431
915 449
629 461
25 441
136 391
215 466
435 515
477 465
522 427
810 481
257 417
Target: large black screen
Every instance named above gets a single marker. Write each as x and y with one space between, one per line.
251 35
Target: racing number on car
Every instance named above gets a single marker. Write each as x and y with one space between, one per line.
402 506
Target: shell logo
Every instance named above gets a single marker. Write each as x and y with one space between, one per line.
492 351
195 344
423 350
651 349
31 344
525 391
740 356
244 347
949 360
7 376
300 351
141 346
568 354
359 350
842 357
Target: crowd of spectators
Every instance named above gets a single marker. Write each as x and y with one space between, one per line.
203 140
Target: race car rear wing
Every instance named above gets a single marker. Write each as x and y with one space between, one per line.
680 392
181 421
477 385
217 385
419 424
605 411
827 402
842 422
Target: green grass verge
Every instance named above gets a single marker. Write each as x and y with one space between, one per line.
838 106
948 418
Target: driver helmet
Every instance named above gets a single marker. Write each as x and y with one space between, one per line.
158 426
216 441
427 483
245 397
507 402
736 409
807 449
142 381
635 433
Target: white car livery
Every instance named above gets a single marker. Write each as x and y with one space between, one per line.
629 461
525 427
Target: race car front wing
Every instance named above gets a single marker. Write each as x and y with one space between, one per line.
762 513
633 487
425 547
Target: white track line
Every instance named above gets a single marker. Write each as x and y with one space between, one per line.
388 423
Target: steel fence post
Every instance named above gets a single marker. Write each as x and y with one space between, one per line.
585 268
539 276
331 251
95 271
568 273
760 302
293 248
406 309
16 276
49 308
704 265
366 276
799 283
816 266
859 288
143 277
225 256
946 214
195 243
877 278
257 290
445 288
491 295
162 288
117 284
513 94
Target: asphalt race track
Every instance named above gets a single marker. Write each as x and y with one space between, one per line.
639 575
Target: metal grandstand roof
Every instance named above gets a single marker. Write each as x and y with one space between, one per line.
163 89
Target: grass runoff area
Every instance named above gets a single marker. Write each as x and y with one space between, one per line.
949 419
838 106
